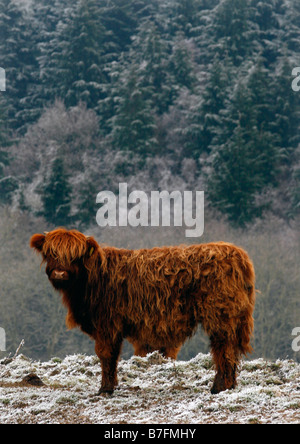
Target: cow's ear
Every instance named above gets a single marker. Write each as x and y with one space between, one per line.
92 247
94 260
37 242
90 260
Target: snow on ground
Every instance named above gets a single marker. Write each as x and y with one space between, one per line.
151 390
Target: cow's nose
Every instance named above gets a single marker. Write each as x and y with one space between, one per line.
59 274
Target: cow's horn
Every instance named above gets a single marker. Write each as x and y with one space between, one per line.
46 232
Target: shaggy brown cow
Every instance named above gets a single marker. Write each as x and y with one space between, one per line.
155 298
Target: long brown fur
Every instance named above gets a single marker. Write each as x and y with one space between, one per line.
155 298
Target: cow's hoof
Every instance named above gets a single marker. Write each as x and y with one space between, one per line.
105 392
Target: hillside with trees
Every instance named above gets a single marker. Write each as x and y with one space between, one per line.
163 95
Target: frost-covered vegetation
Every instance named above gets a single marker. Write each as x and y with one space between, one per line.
163 95
151 390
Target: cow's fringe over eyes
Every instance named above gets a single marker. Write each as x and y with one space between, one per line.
65 247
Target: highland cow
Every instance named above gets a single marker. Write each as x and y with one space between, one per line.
155 298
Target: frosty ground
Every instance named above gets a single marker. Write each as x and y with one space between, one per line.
151 390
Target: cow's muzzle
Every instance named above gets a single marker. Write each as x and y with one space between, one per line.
59 275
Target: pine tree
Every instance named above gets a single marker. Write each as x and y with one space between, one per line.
56 195
267 17
233 33
286 109
18 56
149 57
120 23
286 126
46 40
265 14
187 15
8 185
181 65
152 53
290 27
134 124
260 84
233 186
87 208
204 121
74 64
4 132
244 160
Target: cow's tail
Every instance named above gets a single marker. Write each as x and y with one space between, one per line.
246 323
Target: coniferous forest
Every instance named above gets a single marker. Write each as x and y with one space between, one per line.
162 95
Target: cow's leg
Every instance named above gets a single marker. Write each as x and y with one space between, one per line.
108 353
225 355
